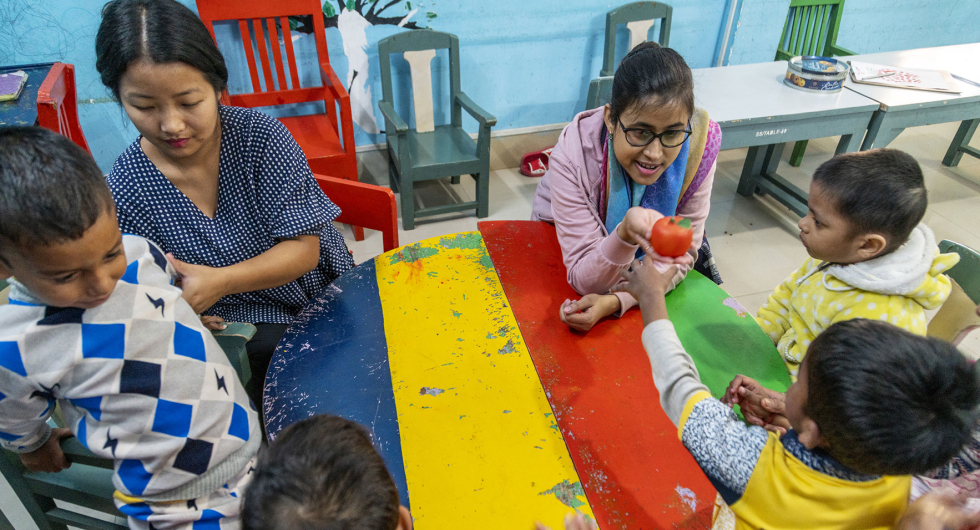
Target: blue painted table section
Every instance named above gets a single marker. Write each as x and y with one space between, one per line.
23 110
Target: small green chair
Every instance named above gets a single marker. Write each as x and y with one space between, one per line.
431 151
810 29
600 92
957 317
639 17
87 483
232 340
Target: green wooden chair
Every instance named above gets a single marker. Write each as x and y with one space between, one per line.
957 317
87 483
232 340
431 151
639 18
600 92
810 29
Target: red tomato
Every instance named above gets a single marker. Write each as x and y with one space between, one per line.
670 237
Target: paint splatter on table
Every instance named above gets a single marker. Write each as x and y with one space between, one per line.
488 411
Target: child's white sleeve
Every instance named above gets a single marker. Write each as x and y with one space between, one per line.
674 373
24 411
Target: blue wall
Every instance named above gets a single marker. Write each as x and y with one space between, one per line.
526 62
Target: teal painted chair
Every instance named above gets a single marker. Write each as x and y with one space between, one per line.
957 317
639 18
810 29
600 92
232 340
430 151
87 483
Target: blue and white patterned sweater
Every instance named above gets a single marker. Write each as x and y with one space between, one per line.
139 379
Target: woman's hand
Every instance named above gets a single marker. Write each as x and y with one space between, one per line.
635 229
202 285
582 314
213 323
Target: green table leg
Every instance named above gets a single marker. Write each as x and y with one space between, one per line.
961 143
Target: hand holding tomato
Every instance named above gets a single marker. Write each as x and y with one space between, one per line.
671 236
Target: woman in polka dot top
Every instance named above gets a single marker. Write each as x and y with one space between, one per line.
225 191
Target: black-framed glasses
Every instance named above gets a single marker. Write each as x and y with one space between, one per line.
640 137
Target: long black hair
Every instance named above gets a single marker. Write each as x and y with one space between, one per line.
651 72
161 31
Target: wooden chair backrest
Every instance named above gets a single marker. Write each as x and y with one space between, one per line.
639 17
810 29
364 205
957 317
57 104
265 31
418 48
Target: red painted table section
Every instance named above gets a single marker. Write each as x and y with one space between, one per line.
634 470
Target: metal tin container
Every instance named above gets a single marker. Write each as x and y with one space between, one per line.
813 73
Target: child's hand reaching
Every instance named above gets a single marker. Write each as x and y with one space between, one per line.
577 522
760 405
48 458
649 286
934 511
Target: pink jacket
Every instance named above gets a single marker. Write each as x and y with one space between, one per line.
568 196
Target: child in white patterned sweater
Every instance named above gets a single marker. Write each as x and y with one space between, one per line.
95 325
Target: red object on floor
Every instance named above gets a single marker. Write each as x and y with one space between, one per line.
635 471
536 164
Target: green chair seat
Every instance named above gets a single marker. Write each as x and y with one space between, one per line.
443 147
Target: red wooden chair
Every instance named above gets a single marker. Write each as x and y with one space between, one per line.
264 26
364 205
57 104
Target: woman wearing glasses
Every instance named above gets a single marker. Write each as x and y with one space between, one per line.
617 169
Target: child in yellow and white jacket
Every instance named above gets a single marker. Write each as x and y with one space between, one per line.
870 255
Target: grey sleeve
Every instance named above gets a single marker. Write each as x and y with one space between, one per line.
674 373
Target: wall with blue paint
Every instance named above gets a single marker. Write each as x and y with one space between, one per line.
528 63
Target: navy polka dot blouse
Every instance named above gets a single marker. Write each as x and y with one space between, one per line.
266 193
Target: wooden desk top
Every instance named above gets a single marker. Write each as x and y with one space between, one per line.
756 91
961 59
488 411
23 110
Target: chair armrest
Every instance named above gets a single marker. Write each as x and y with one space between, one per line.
390 115
482 116
837 51
78 454
331 82
241 329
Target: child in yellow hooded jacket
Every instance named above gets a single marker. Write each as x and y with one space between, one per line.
870 257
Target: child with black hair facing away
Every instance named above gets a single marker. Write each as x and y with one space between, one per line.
872 405
323 473
870 257
95 325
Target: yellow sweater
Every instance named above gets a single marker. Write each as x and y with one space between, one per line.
897 288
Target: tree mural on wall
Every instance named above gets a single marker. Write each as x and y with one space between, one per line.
352 18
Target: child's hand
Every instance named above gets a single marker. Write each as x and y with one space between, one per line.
934 511
649 286
643 280
48 458
577 522
760 405
582 314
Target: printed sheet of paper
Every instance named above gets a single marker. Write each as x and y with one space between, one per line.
901 77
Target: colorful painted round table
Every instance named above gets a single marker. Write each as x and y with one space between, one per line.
488 411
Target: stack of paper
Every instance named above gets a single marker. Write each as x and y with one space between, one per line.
902 77
11 84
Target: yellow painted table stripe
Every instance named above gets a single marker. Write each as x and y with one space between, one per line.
480 445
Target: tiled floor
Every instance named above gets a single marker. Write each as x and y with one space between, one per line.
754 240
